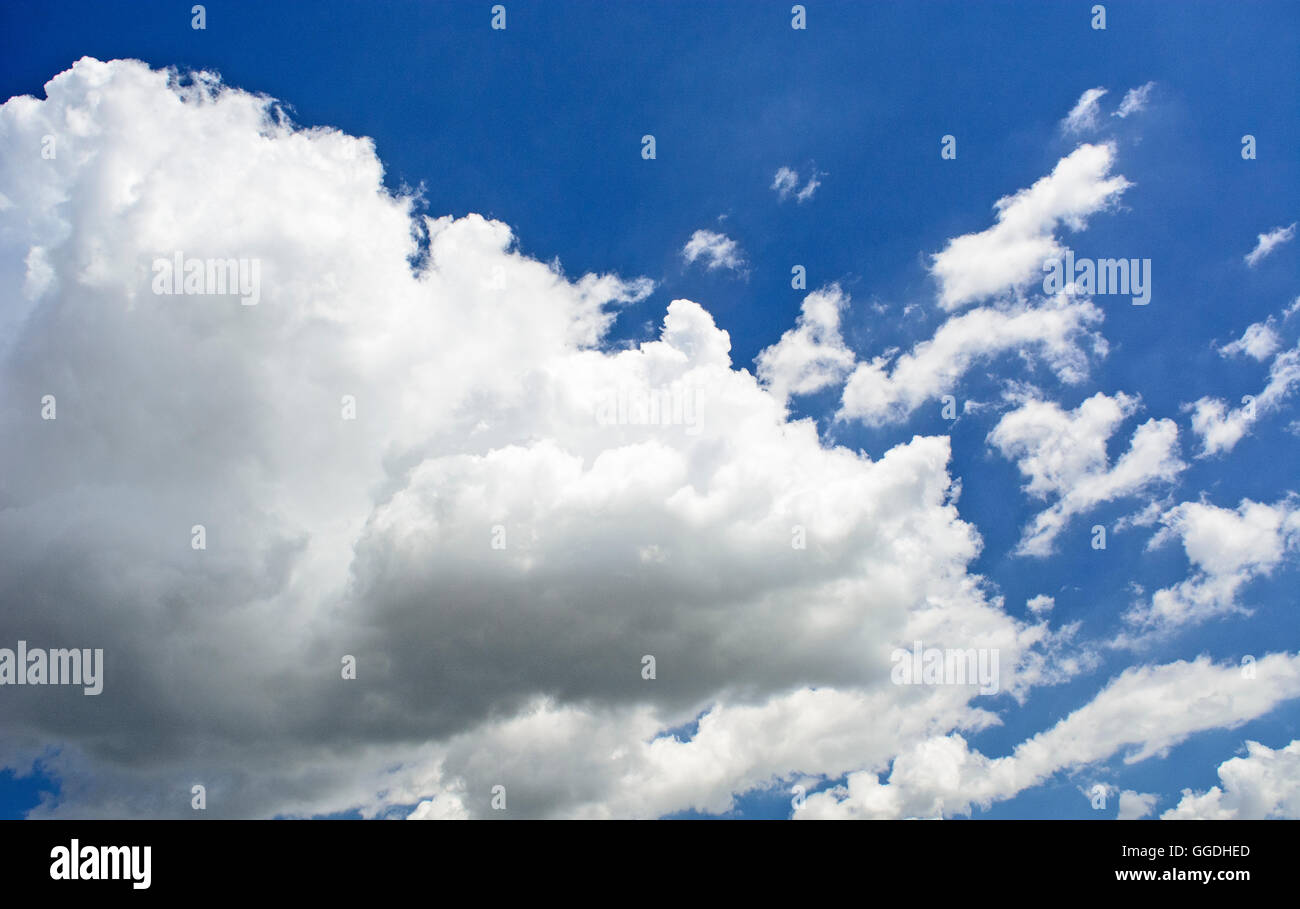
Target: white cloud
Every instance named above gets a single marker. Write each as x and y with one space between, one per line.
811 356
1083 116
1135 805
1063 454
972 267
1220 429
786 183
1270 241
1135 100
1227 549
1040 604
1259 342
1147 515
1264 784
444 806
1011 253
809 188
1143 713
717 250
889 388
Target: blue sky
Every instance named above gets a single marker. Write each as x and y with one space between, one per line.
540 126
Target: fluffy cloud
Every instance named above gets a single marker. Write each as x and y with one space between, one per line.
1058 329
717 250
1143 713
812 355
1135 805
517 514
1083 116
1258 342
1011 253
889 388
1063 455
1263 784
1221 428
1040 604
1268 242
1227 548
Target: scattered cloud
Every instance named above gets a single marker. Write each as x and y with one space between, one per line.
1264 784
1040 604
809 188
1063 454
888 388
1143 713
1259 342
1135 100
1227 548
1011 253
1083 116
1134 806
1270 241
1220 429
715 249
786 184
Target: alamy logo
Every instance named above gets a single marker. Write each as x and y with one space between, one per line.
52 667
935 666
102 863
179 275
1126 277
676 405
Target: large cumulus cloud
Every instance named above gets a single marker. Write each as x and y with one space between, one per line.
477 375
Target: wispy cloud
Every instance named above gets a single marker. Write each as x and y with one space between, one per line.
1135 99
1083 116
786 183
1270 241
